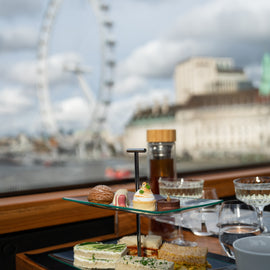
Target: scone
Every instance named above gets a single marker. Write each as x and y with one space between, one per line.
101 194
144 198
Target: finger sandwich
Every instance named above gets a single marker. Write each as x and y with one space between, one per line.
98 255
142 263
184 258
149 244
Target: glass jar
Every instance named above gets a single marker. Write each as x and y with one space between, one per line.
161 158
161 155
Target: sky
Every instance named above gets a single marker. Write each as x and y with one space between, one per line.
151 36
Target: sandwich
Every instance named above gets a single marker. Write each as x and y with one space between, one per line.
93 263
185 258
149 245
98 255
142 263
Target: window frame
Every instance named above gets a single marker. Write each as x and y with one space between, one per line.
43 209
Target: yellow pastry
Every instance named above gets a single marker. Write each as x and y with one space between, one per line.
144 198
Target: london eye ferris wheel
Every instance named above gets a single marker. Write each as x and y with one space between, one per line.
99 97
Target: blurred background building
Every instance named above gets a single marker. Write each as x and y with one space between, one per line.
217 112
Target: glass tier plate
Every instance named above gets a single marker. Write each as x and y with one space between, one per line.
185 205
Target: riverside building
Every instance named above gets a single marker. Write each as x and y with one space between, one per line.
217 112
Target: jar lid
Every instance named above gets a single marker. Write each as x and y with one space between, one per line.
161 135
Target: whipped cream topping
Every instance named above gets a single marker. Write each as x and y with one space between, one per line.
144 193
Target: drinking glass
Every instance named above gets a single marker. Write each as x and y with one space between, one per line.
254 191
184 189
236 220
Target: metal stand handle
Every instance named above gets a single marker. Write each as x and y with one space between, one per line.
136 152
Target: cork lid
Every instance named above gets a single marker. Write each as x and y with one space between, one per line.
161 135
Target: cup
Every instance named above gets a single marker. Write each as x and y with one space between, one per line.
236 220
252 253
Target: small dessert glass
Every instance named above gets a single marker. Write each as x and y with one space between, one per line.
184 189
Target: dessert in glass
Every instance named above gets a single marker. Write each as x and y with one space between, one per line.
183 189
254 191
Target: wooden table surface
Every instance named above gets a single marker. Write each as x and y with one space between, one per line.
24 263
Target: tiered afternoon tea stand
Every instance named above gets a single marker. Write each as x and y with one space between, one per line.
187 206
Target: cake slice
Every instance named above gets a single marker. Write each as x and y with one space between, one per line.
141 263
98 255
185 258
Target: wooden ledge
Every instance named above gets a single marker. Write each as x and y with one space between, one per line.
48 209
27 212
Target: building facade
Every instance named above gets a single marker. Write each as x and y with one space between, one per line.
217 112
204 75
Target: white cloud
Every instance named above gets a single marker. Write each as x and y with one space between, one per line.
205 29
10 9
72 111
122 110
57 64
238 19
129 85
156 59
17 37
25 72
14 101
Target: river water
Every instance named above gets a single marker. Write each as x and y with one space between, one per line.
30 176
73 172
